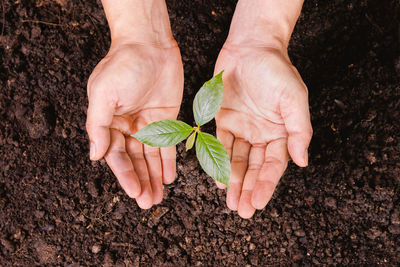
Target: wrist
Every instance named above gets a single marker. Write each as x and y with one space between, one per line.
264 23
138 21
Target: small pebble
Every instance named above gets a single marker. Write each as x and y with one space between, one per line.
48 228
299 233
395 218
252 246
96 249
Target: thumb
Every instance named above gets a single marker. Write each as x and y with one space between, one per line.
296 115
99 118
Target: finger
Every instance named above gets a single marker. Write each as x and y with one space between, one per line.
296 115
226 138
220 185
256 159
168 160
99 117
240 156
135 151
275 163
153 162
121 165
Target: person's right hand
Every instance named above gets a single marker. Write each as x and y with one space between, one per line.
134 85
264 117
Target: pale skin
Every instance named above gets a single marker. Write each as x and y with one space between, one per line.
264 117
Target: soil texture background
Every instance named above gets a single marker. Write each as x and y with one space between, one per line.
57 208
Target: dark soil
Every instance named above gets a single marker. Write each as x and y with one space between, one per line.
58 208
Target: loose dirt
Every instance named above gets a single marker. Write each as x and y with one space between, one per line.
58 208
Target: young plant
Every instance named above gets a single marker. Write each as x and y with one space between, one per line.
210 152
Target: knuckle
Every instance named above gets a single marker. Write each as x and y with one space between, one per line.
235 181
254 167
305 88
258 146
152 154
270 185
117 150
89 126
302 93
241 140
272 171
309 133
126 172
90 82
136 155
239 159
273 160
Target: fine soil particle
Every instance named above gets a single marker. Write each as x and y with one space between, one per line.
59 209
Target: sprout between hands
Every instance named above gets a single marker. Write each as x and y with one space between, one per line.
210 152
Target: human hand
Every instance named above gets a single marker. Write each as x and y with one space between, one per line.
138 82
132 86
264 115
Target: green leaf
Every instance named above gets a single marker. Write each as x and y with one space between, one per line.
163 133
208 100
213 157
190 141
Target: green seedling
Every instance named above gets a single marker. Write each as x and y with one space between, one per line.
210 152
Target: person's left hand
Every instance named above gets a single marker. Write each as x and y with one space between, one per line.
134 85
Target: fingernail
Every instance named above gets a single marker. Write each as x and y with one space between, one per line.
305 158
92 150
